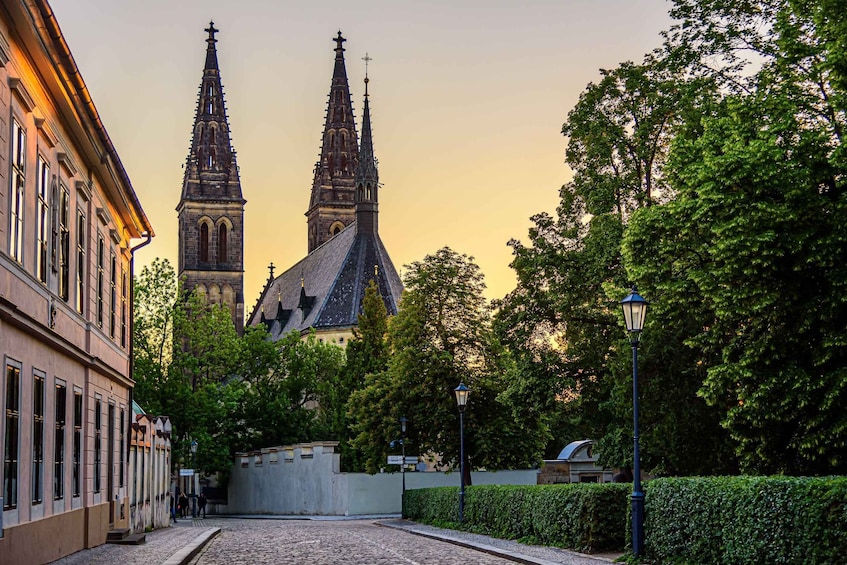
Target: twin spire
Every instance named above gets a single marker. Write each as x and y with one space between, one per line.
345 174
211 168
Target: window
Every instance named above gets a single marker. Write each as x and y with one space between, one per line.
124 296
42 218
80 262
59 444
98 442
222 244
113 294
10 453
204 242
77 442
101 266
121 450
16 207
37 438
64 243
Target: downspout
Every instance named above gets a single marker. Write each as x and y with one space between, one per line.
148 238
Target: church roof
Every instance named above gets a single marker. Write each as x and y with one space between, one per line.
325 289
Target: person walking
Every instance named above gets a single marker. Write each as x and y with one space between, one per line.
183 504
201 503
173 506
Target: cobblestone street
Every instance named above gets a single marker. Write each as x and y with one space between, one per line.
325 542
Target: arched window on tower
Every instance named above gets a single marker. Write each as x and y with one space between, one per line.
222 244
204 242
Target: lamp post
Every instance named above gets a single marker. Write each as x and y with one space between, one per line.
193 479
403 422
462 393
634 312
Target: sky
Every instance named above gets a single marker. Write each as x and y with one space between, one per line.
467 97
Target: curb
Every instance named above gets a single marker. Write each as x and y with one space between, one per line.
489 549
187 553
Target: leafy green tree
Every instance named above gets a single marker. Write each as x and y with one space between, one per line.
282 405
367 352
440 337
563 322
748 247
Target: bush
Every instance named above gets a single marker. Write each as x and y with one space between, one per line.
744 520
583 517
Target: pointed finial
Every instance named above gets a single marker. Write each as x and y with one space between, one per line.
278 295
271 269
339 40
376 270
302 279
212 31
367 59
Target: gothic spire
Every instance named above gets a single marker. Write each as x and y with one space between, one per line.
367 170
210 168
367 175
332 201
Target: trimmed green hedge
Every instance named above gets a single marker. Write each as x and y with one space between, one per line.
584 517
742 520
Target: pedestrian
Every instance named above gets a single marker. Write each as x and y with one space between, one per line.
201 503
173 507
183 505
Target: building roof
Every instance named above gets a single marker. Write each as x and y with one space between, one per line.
69 89
325 289
573 447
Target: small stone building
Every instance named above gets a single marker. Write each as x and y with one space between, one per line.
576 463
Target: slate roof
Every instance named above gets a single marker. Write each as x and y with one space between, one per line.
325 289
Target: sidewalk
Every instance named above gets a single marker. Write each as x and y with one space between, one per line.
507 549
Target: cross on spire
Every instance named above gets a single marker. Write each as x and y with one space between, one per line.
339 40
271 269
212 31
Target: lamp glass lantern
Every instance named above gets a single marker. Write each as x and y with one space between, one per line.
403 422
462 393
634 312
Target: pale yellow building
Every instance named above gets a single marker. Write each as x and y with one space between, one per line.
68 218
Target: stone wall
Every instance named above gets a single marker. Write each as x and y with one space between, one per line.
305 479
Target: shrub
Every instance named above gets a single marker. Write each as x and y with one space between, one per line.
583 517
744 520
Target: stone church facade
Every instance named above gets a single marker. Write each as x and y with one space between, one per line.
211 208
323 292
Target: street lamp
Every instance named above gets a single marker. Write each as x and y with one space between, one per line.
403 422
193 479
462 393
634 312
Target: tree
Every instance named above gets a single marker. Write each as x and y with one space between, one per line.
282 403
367 353
563 322
440 337
755 228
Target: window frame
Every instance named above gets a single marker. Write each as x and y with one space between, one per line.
17 191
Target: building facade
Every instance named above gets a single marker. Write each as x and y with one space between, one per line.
324 291
149 472
211 208
68 215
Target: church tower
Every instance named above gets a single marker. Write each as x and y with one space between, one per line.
332 205
211 208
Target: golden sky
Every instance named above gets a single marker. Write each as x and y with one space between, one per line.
468 98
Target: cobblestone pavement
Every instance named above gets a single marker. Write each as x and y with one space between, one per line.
158 547
328 542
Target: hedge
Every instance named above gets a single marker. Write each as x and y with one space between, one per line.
743 520
583 517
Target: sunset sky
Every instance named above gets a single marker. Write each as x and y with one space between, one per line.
468 98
